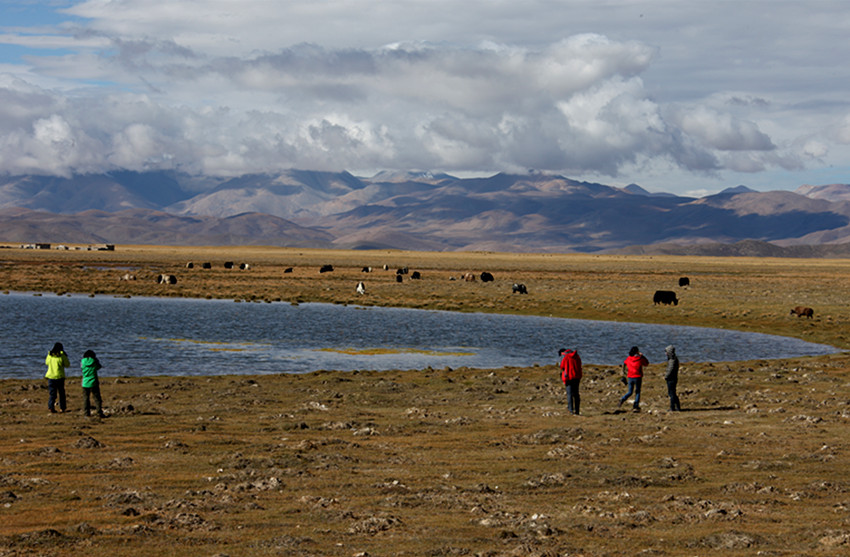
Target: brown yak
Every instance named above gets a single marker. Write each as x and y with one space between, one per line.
800 311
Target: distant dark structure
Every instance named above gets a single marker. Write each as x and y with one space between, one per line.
801 311
486 277
665 297
519 289
684 281
326 269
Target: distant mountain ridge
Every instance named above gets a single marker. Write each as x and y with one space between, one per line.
415 210
145 226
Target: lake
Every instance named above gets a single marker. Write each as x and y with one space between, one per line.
172 336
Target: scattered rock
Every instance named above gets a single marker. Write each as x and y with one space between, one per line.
8 497
177 445
121 462
41 537
730 540
85 529
548 480
374 524
835 539
189 521
125 498
88 442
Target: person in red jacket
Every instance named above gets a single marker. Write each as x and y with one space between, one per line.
571 376
633 367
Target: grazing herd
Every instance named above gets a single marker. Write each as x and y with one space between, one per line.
662 297
668 297
484 276
401 272
172 279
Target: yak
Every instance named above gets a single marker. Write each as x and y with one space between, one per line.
801 311
665 297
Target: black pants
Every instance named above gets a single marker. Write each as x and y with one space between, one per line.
94 391
573 397
56 389
674 398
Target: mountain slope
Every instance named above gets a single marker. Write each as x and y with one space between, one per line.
142 226
107 192
831 192
504 212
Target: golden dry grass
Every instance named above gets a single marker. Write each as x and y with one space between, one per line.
442 462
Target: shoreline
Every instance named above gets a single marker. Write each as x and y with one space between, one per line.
744 294
154 336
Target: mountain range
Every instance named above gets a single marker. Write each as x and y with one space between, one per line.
417 211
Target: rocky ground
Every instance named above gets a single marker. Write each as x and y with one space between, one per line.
434 462
446 461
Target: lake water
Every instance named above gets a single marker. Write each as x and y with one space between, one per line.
170 336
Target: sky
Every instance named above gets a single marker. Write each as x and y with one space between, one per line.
686 97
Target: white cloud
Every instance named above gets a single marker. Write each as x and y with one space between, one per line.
53 131
638 91
575 106
723 131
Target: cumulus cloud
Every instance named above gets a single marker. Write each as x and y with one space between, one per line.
576 105
485 87
723 131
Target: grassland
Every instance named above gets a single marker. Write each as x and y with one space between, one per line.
450 461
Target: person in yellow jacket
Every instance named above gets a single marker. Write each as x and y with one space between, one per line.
56 361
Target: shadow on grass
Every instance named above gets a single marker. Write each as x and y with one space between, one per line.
709 409
694 409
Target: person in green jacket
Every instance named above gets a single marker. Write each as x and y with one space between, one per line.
56 361
91 386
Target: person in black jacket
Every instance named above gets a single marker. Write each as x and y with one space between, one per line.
672 378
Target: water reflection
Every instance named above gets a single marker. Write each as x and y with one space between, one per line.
156 336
